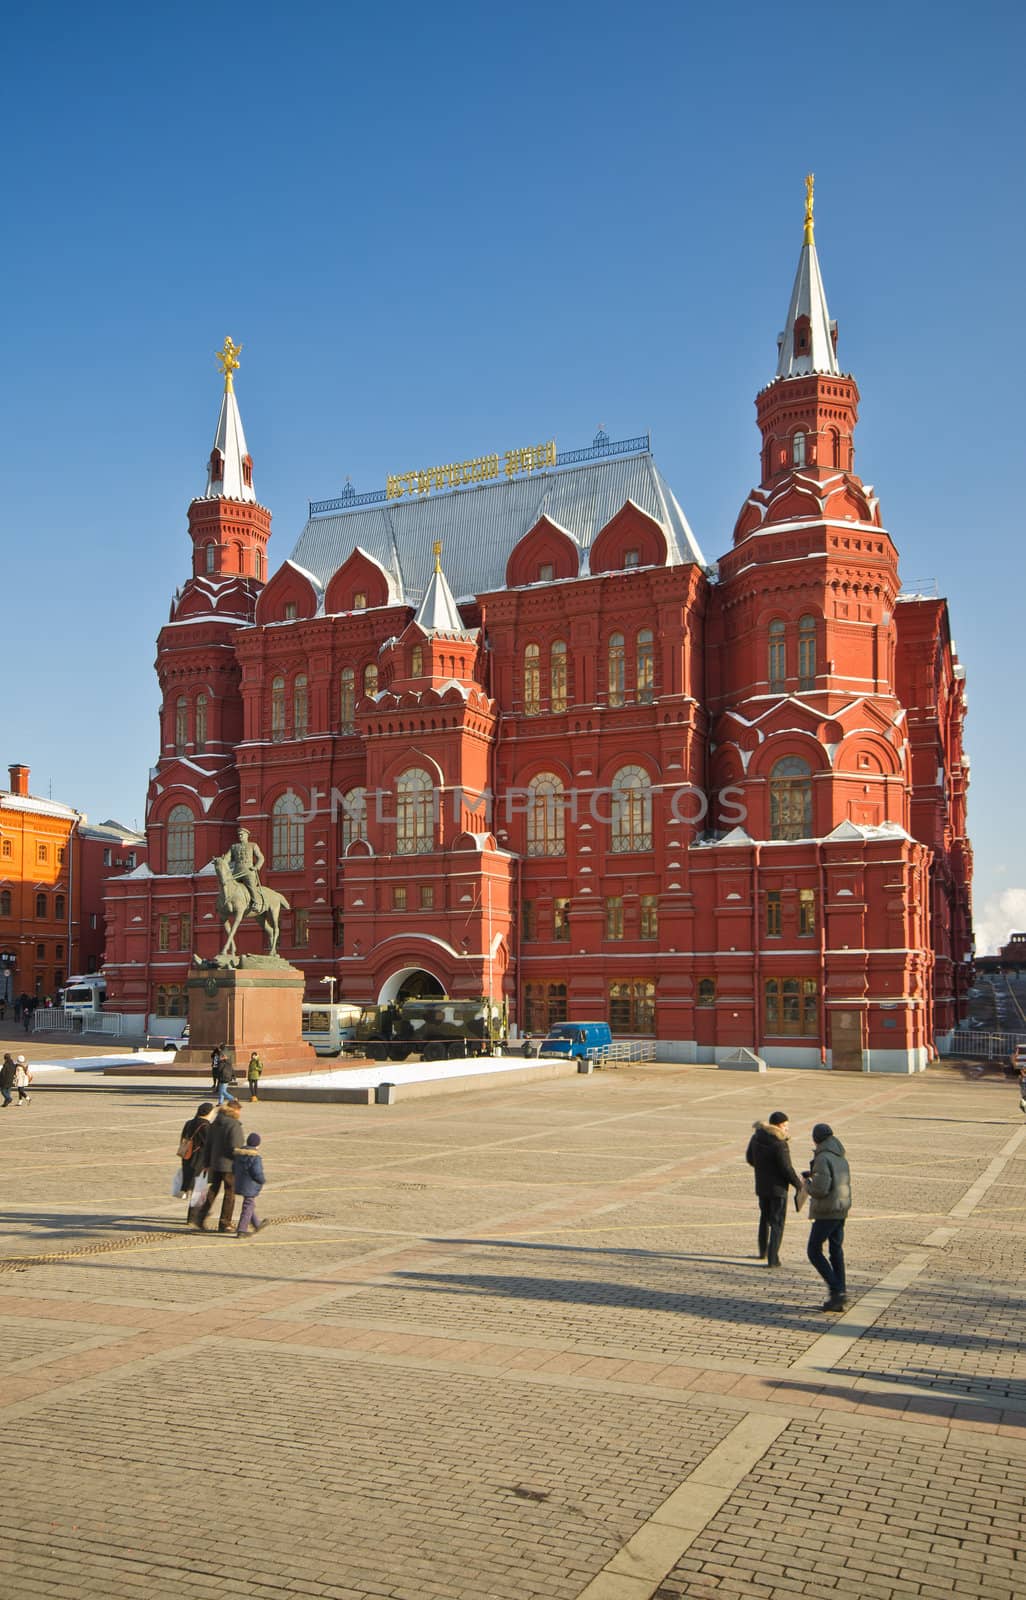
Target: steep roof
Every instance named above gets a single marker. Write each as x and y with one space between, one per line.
808 300
480 525
228 454
438 612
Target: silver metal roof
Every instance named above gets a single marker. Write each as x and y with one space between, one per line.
479 526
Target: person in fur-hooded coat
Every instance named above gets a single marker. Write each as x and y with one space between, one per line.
770 1154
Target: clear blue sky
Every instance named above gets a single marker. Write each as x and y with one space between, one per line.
439 231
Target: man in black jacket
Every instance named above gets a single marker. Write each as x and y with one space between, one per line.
768 1152
225 1137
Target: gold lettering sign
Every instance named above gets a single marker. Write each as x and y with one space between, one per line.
481 469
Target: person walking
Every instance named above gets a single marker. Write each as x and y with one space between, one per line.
253 1071
828 1184
227 1081
22 1079
249 1180
223 1140
191 1143
216 1056
769 1152
7 1076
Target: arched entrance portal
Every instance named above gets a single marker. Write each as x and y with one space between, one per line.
410 983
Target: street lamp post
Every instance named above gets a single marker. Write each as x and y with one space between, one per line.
331 992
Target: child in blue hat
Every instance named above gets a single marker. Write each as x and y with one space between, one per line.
249 1180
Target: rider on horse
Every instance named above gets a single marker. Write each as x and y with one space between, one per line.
245 859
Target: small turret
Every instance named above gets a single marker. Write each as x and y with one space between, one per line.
807 414
228 528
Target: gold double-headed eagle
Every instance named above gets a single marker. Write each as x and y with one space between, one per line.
228 358
810 183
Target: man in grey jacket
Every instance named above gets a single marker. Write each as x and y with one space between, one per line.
829 1186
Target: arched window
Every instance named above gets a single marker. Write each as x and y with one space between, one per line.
807 653
546 828
646 666
777 655
211 557
557 676
791 799
532 680
346 699
835 448
277 709
40 905
300 707
288 852
417 661
181 724
631 810
415 813
370 680
201 722
798 449
59 905
181 840
616 670
354 817
5 903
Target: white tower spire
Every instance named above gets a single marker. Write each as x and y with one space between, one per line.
807 342
230 468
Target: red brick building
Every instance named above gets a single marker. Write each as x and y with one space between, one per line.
512 735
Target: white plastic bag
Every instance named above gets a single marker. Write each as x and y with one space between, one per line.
176 1184
200 1189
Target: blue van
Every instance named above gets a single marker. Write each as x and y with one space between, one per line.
578 1040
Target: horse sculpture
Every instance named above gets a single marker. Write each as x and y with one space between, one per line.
234 903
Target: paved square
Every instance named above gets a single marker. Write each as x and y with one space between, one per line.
515 1344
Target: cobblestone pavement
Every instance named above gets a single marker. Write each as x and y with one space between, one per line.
516 1344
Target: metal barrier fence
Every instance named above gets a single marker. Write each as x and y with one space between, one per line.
619 1050
54 1019
988 1046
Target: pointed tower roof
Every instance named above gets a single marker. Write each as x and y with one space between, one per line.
438 611
230 468
807 342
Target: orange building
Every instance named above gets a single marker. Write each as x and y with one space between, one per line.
35 890
54 869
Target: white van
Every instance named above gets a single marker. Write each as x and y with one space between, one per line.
83 994
328 1028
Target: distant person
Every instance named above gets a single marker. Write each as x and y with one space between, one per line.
26 1015
1022 1087
253 1071
7 1076
249 1180
22 1079
223 1140
227 1079
769 1152
215 1067
828 1184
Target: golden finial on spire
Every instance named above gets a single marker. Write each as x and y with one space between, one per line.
810 183
437 548
229 361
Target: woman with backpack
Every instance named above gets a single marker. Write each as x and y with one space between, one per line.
191 1146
